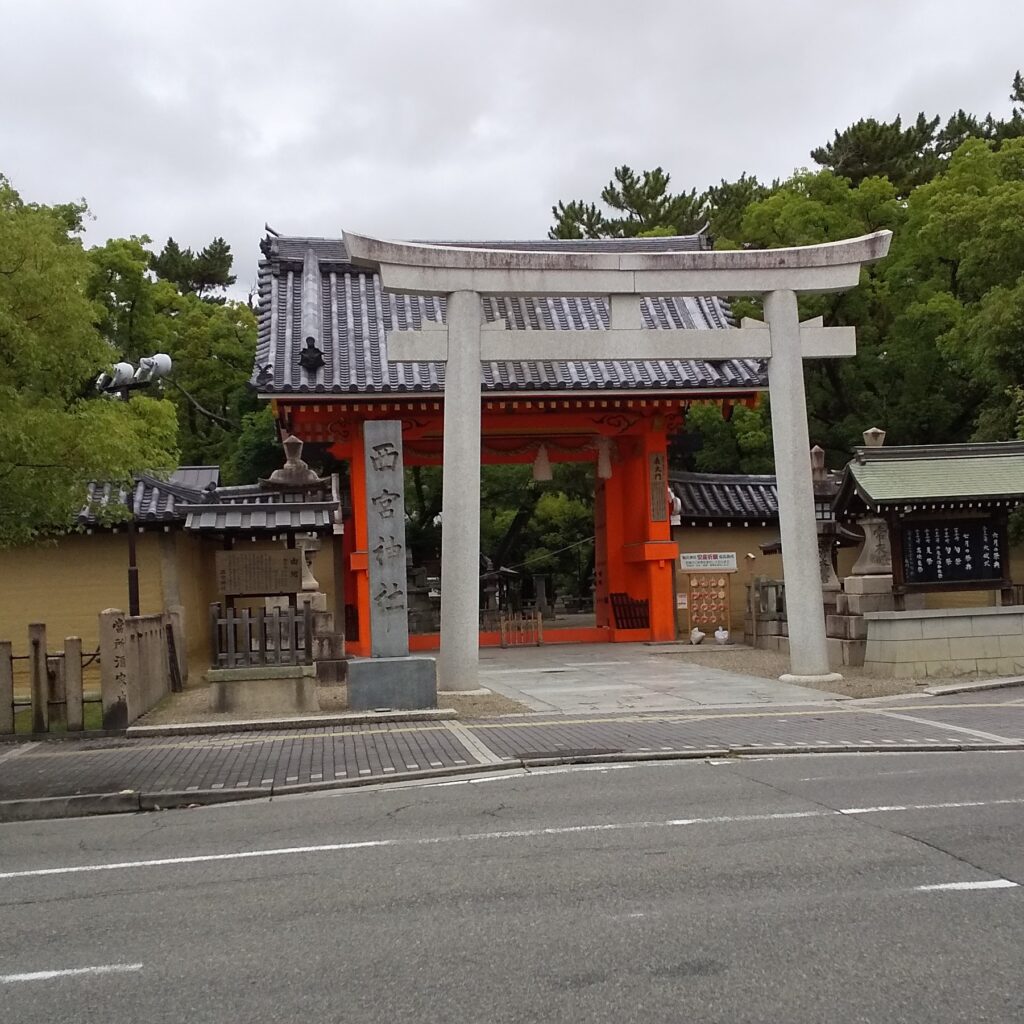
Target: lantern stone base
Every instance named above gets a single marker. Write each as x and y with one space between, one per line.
398 683
264 691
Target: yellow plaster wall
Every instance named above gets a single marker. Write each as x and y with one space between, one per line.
68 583
743 540
739 539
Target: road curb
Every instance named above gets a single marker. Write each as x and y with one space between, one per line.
279 724
88 804
78 806
989 684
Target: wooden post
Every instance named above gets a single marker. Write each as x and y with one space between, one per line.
246 643
73 683
6 687
275 634
261 625
215 635
56 695
229 634
307 633
38 677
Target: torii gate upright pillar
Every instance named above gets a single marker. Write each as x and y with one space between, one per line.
458 657
808 647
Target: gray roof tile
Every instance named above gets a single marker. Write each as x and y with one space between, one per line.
356 314
726 496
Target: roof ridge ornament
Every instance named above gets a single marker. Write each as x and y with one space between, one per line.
295 474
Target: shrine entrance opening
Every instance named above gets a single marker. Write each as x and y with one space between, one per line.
618 447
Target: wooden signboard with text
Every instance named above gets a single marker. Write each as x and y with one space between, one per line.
258 573
950 554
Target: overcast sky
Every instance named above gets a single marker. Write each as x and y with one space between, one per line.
452 118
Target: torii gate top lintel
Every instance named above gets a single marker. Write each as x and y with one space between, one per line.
420 268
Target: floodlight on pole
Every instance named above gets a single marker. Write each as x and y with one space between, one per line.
120 381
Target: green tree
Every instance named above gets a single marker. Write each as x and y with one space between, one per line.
205 273
741 443
872 148
726 204
56 434
959 276
165 303
638 205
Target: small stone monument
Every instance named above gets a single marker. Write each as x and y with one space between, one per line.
390 677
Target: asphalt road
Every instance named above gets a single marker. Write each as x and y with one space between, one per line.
793 889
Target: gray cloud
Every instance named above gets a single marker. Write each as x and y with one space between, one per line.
451 118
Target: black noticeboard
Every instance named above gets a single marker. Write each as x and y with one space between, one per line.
953 551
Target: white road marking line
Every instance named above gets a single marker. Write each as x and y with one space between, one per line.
992 883
7 979
531 833
266 782
364 771
17 751
472 743
921 720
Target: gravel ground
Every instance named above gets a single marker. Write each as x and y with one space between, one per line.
856 682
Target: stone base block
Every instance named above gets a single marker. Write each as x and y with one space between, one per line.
328 645
846 627
273 690
846 653
400 683
859 604
331 671
868 584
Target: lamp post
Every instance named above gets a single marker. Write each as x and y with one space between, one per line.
120 382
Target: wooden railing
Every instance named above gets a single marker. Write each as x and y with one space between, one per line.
521 629
55 699
244 638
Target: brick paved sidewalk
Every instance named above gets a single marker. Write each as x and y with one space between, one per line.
180 770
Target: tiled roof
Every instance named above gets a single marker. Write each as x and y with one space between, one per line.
351 315
725 496
154 500
267 518
933 473
252 509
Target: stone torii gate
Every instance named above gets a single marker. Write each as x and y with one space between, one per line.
465 274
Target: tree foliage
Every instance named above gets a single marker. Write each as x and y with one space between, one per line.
637 205
55 434
168 303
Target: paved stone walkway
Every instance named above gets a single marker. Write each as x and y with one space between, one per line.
575 678
177 770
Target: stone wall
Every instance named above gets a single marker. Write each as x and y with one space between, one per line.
946 642
134 665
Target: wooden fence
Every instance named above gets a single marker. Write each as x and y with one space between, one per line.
521 629
54 699
243 638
